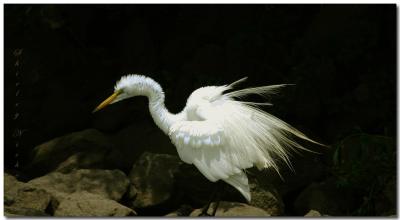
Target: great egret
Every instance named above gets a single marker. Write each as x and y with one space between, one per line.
215 132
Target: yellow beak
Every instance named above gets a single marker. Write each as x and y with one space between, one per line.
107 101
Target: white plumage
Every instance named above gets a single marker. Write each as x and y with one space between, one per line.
215 132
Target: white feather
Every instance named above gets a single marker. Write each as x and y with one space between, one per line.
241 183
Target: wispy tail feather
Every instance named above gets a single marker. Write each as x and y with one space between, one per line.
263 91
230 86
260 130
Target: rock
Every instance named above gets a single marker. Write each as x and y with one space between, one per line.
389 201
25 212
266 197
384 201
172 214
140 137
91 159
313 213
152 179
365 159
85 204
231 209
390 191
23 199
367 164
11 188
184 210
308 168
32 198
7 214
90 148
327 198
111 184
91 190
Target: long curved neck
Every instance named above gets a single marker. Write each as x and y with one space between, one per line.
160 114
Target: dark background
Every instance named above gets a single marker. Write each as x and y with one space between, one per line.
342 59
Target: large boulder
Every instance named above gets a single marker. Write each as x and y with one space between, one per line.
85 204
389 193
32 198
233 209
140 137
106 159
79 193
327 198
313 213
367 164
92 149
266 197
11 211
111 184
152 179
307 168
184 210
11 188
22 199
84 149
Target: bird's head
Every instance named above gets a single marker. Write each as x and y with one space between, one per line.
128 86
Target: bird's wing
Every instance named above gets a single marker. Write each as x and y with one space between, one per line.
233 136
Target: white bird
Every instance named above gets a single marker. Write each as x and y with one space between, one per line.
215 132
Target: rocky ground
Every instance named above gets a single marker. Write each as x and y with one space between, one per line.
81 175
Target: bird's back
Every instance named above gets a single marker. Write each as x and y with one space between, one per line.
202 102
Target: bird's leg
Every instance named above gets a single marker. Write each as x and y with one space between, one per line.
219 196
207 206
216 203
215 194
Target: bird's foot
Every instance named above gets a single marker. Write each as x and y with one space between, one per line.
204 211
204 214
